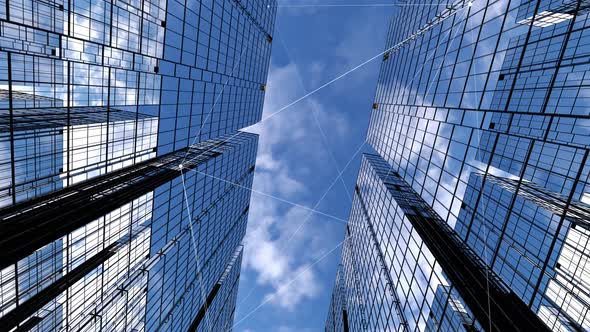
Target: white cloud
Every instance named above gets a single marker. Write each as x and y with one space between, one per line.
316 72
271 251
274 260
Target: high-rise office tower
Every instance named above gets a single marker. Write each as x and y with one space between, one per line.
124 178
473 212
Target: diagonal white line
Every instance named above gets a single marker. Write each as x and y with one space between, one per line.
314 91
199 272
313 112
287 284
335 180
282 248
249 293
311 210
305 221
364 142
296 101
306 95
422 68
348 72
215 103
325 139
339 175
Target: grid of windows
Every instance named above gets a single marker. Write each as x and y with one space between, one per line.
219 228
151 276
197 66
393 277
482 109
338 315
118 93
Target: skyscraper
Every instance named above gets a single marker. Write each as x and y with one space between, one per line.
473 211
124 178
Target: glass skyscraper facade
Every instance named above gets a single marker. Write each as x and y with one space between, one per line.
124 178
473 211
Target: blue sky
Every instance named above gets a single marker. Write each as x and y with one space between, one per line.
291 254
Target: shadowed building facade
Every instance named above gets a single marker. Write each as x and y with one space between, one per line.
481 138
124 178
